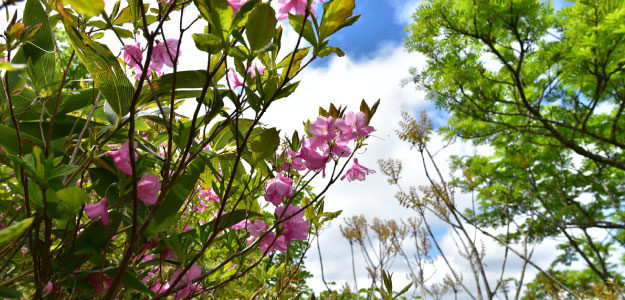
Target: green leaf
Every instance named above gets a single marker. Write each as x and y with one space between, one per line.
95 237
188 84
269 90
108 75
130 280
87 7
202 7
298 56
105 184
8 139
287 90
72 197
403 291
336 15
221 18
180 191
252 99
265 144
124 16
62 170
297 21
123 33
16 30
329 50
12 232
29 107
207 42
6 292
388 283
240 18
261 26
38 53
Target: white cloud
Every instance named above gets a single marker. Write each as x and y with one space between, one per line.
347 82
405 10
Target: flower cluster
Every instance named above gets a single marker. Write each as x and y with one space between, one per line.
294 228
148 186
206 196
185 284
163 53
296 7
329 139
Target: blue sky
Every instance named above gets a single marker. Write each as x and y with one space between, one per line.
377 26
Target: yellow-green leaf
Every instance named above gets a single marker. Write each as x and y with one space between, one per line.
12 232
86 7
5 65
336 15
261 26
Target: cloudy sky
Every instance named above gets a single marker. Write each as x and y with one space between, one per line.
374 65
373 68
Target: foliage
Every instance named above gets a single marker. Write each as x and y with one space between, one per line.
109 189
544 89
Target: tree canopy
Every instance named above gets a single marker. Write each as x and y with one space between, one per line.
545 89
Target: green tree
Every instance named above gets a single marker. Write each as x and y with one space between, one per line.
544 89
110 189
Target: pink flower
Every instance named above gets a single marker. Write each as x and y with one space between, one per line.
148 277
270 243
158 288
297 7
234 80
95 279
293 161
252 69
339 149
148 257
209 195
354 125
314 160
49 286
164 53
257 228
121 157
357 172
240 225
133 57
277 188
296 227
201 208
93 211
236 4
148 188
194 272
323 130
168 254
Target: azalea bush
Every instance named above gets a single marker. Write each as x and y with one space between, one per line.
111 188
